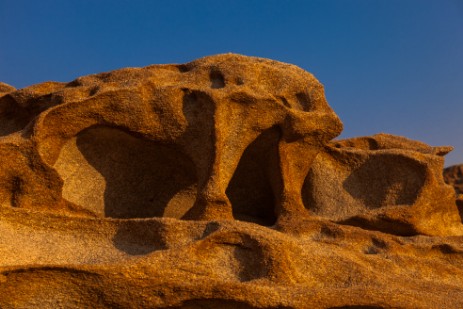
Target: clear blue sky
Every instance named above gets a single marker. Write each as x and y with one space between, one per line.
393 66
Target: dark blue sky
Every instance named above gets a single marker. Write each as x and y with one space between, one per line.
393 66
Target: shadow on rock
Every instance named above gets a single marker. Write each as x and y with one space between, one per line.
139 237
142 179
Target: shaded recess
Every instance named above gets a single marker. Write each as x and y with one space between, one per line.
13 117
217 79
139 237
459 203
234 255
118 175
304 102
386 180
376 181
250 191
358 307
453 176
220 303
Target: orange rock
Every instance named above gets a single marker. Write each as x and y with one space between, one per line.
215 184
199 118
386 183
453 175
5 88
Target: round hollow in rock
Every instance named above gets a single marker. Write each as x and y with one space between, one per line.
118 175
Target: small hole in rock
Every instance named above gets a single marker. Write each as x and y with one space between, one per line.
183 68
217 79
285 102
16 191
304 101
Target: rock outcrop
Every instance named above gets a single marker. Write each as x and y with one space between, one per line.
216 184
5 88
385 183
453 175
194 122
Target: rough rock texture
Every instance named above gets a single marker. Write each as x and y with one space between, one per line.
453 175
383 182
215 184
5 88
120 138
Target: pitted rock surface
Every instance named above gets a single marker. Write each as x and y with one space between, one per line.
193 122
216 184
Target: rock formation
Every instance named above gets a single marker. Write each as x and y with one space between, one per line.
385 183
197 120
453 175
215 184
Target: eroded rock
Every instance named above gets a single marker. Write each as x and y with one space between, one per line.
5 88
453 175
383 182
97 174
208 112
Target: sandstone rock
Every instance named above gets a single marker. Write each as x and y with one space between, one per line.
50 261
453 175
383 182
5 88
197 122
98 175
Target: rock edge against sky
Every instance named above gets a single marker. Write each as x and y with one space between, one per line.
216 183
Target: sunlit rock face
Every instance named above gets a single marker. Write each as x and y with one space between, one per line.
216 184
171 138
383 182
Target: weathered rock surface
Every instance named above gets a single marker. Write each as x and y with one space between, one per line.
383 182
195 121
215 184
5 88
453 175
